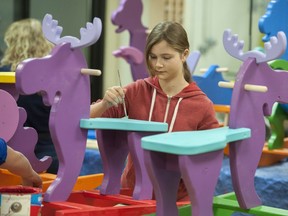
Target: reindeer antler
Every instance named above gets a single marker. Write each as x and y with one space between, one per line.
89 35
273 49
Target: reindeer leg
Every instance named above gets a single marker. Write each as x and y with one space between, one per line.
200 174
70 151
143 187
113 148
244 159
165 181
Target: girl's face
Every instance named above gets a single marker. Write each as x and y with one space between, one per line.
166 62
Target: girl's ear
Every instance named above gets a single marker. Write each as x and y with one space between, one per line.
185 55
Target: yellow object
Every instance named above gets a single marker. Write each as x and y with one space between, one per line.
7 77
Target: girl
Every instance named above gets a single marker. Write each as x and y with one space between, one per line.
168 95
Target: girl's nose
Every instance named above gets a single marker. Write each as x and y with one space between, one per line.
158 64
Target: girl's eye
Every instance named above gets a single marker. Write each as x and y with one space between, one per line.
152 57
166 58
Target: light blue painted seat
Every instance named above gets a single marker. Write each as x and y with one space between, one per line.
194 142
123 124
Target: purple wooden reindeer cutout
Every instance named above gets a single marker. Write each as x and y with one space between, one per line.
24 139
59 79
128 17
257 87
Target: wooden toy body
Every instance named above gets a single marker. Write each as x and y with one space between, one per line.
248 109
59 79
67 91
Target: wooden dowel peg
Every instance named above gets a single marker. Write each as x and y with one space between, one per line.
256 88
91 72
222 69
226 84
148 31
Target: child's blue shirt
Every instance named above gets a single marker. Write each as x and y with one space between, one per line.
3 151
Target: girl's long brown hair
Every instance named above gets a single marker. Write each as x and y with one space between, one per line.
175 35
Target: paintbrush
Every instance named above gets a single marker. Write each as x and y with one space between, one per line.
123 99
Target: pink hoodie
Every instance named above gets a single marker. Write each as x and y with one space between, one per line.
189 110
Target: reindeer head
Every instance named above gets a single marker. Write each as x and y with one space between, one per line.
273 49
255 75
65 63
128 15
89 35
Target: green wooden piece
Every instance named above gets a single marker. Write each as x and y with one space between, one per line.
182 211
229 203
279 64
276 120
278 115
226 204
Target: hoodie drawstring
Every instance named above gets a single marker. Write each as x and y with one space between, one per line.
167 109
152 104
174 115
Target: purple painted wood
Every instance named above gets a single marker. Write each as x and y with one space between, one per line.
143 187
67 91
128 17
114 150
63 87
9 115
165 181
22 139
248 109
199 172
9 87
131 54
114 146
25 140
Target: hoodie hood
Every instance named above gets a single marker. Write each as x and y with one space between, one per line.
191 90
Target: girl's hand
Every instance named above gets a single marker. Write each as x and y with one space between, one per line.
114 96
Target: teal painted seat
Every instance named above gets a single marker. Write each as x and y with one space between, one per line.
194 156
123 124
116 137
194 142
